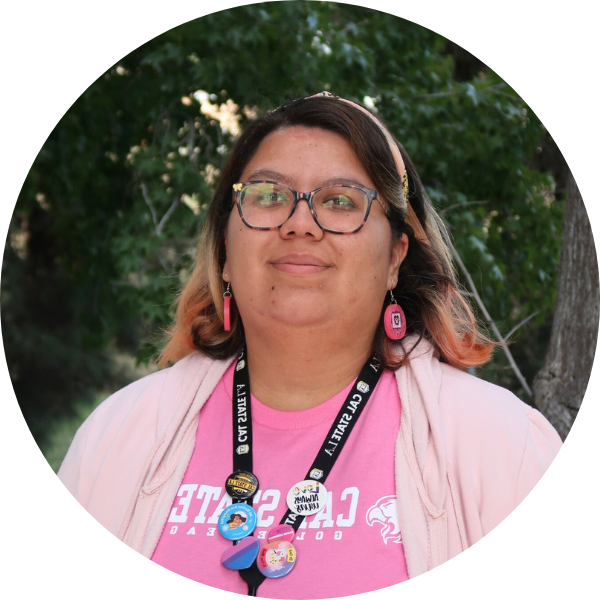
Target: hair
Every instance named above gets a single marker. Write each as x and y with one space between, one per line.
427 287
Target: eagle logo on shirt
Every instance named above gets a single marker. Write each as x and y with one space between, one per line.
385 514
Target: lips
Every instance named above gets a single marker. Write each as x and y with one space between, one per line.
300 264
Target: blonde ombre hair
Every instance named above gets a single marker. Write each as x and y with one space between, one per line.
427 287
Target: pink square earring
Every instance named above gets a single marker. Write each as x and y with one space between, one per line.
394 321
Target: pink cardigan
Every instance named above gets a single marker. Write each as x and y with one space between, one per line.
467 454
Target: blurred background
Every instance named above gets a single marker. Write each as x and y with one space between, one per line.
104 231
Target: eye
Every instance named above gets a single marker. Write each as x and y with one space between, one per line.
266 198
266 195
340 201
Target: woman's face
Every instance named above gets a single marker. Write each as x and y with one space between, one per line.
299 275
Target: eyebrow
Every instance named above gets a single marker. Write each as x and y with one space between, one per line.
281 178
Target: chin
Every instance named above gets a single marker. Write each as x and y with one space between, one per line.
300 317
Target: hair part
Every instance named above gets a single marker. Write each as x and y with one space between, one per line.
427 287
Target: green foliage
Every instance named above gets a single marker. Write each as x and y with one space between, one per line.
104 230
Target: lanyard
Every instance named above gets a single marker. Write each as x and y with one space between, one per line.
331 448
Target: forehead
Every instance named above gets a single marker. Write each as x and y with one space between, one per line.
306 156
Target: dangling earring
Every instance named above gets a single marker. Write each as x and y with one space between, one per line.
227 308
394 321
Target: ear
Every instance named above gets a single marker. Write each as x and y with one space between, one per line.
398 254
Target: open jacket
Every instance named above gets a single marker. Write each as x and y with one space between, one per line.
467 454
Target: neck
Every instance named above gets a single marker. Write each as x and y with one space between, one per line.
296 370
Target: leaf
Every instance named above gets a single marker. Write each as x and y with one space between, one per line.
472 93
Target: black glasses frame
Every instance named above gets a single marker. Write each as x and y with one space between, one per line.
238 188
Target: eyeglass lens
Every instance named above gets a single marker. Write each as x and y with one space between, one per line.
339 208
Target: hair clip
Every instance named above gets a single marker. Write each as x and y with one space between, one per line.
405 185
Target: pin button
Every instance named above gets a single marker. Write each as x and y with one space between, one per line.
242 555
307 497
281 533
237 521
276 559
241 485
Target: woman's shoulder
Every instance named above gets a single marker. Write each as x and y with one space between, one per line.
472 392
137 417
147 408
474 400
464 399
487 424
474 414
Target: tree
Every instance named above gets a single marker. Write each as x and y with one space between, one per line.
104 230
560 385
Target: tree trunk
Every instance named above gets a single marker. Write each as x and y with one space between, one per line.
559 387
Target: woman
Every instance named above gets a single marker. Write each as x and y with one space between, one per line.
364 455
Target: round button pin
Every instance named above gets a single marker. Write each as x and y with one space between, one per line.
276 559
307 497
281 532
237 521
242 555
241 485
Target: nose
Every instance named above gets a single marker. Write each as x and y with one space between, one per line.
301 222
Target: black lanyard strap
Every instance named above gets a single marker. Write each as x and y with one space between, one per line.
340 430
242 417
334 442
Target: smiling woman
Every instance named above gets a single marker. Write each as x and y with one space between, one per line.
323 280
298 282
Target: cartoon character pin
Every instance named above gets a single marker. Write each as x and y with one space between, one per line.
276 559
237 521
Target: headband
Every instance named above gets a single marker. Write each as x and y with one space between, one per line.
388 136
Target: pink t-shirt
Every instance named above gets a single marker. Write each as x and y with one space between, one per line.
353 545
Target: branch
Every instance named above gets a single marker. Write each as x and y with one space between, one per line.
495 329
537 312
158 227
494 91
457 92
459 204
437 95
163 263
166 216
149 203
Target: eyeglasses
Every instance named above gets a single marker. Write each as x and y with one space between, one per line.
341 208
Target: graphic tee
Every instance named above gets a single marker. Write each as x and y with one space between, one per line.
354 545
